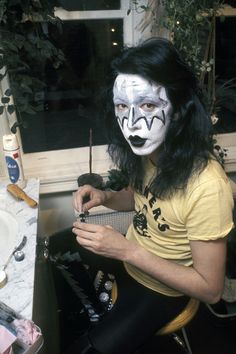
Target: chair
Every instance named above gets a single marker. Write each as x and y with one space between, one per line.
175 325
179 323
222 314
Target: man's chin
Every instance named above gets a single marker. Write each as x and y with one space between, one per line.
142 151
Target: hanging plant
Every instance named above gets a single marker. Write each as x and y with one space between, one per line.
24 42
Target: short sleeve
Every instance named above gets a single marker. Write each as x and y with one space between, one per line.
209 210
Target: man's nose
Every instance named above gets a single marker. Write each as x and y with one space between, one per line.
132 123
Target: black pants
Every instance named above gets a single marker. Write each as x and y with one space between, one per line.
138 312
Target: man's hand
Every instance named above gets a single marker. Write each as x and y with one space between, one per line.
88 197
103 240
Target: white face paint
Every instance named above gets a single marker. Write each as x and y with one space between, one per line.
143 112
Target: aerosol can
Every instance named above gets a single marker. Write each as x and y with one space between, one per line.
13 160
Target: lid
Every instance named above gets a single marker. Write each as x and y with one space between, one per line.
10 142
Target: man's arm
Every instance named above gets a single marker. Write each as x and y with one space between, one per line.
204 280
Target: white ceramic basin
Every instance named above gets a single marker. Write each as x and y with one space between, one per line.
8 233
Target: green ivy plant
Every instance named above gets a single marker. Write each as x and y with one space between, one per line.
191 27
23 43
188 21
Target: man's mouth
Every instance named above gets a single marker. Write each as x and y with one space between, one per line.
136 141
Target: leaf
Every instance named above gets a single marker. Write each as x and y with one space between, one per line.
8 93
12 46
26 89
29 110
1 109
145 8
1 62
10 108
13 2
5 100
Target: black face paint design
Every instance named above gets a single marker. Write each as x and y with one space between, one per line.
134 115
143 112
148 122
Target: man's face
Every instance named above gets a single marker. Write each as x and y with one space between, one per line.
143 112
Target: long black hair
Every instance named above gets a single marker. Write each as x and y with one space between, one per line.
188 143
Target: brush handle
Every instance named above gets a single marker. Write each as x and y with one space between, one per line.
17 192
31 202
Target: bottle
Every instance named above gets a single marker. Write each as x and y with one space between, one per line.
13 160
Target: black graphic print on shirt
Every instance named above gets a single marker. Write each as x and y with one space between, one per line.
140 220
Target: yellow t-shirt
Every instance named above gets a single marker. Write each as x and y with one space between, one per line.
165 227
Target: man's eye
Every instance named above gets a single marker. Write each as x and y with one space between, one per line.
148 107
121 107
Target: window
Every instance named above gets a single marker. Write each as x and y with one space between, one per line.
56 142
225 70
70 92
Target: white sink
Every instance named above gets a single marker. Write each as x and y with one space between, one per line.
8 233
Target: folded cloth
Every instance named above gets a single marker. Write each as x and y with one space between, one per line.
26 331
6 340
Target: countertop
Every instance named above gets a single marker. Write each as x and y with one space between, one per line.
18 292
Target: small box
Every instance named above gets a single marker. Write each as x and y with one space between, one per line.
28 336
